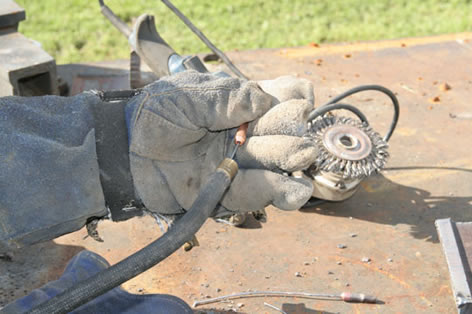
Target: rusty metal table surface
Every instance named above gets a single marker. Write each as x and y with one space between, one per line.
429 176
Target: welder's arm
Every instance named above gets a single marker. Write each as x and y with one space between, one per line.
181 128
49 175
63 159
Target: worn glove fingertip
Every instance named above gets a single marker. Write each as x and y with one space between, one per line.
303 157
289 87
297 191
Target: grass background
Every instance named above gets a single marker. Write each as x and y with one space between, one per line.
75 30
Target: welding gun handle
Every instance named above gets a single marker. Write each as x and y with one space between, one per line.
358 298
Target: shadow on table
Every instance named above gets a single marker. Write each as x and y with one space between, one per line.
300 308
28 268
383 201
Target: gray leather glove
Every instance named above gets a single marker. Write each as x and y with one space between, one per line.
182 127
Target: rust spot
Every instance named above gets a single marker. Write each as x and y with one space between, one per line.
347 56
314 45
318 62
434 100
403 45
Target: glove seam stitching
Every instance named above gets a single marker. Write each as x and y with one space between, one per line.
181 89
140 107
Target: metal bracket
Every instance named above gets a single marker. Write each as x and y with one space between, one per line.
456 240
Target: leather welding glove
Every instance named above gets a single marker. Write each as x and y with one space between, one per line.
181 127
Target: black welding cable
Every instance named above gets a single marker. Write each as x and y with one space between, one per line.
327 108
182 231
386 91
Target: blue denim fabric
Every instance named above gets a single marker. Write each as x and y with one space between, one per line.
84 265
49 176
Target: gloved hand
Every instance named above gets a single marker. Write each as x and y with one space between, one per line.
182 127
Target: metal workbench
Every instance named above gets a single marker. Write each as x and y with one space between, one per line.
390 221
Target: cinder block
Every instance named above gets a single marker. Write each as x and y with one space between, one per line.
25 68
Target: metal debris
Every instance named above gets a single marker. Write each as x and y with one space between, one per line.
461 116
365 260
342 246
298 274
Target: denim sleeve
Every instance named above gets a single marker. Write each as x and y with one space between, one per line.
49 175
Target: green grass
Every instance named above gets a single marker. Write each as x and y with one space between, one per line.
75 30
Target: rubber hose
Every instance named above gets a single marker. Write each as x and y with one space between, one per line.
327 108
174 238
386 91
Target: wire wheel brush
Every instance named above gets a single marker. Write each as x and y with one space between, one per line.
347 147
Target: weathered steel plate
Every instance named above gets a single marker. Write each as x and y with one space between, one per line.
392 215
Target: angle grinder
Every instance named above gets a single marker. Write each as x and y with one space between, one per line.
349 149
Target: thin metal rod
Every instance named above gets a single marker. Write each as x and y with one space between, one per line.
114 19
203 38
236 146
255 294
274 308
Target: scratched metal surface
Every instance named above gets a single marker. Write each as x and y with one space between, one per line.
392 215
